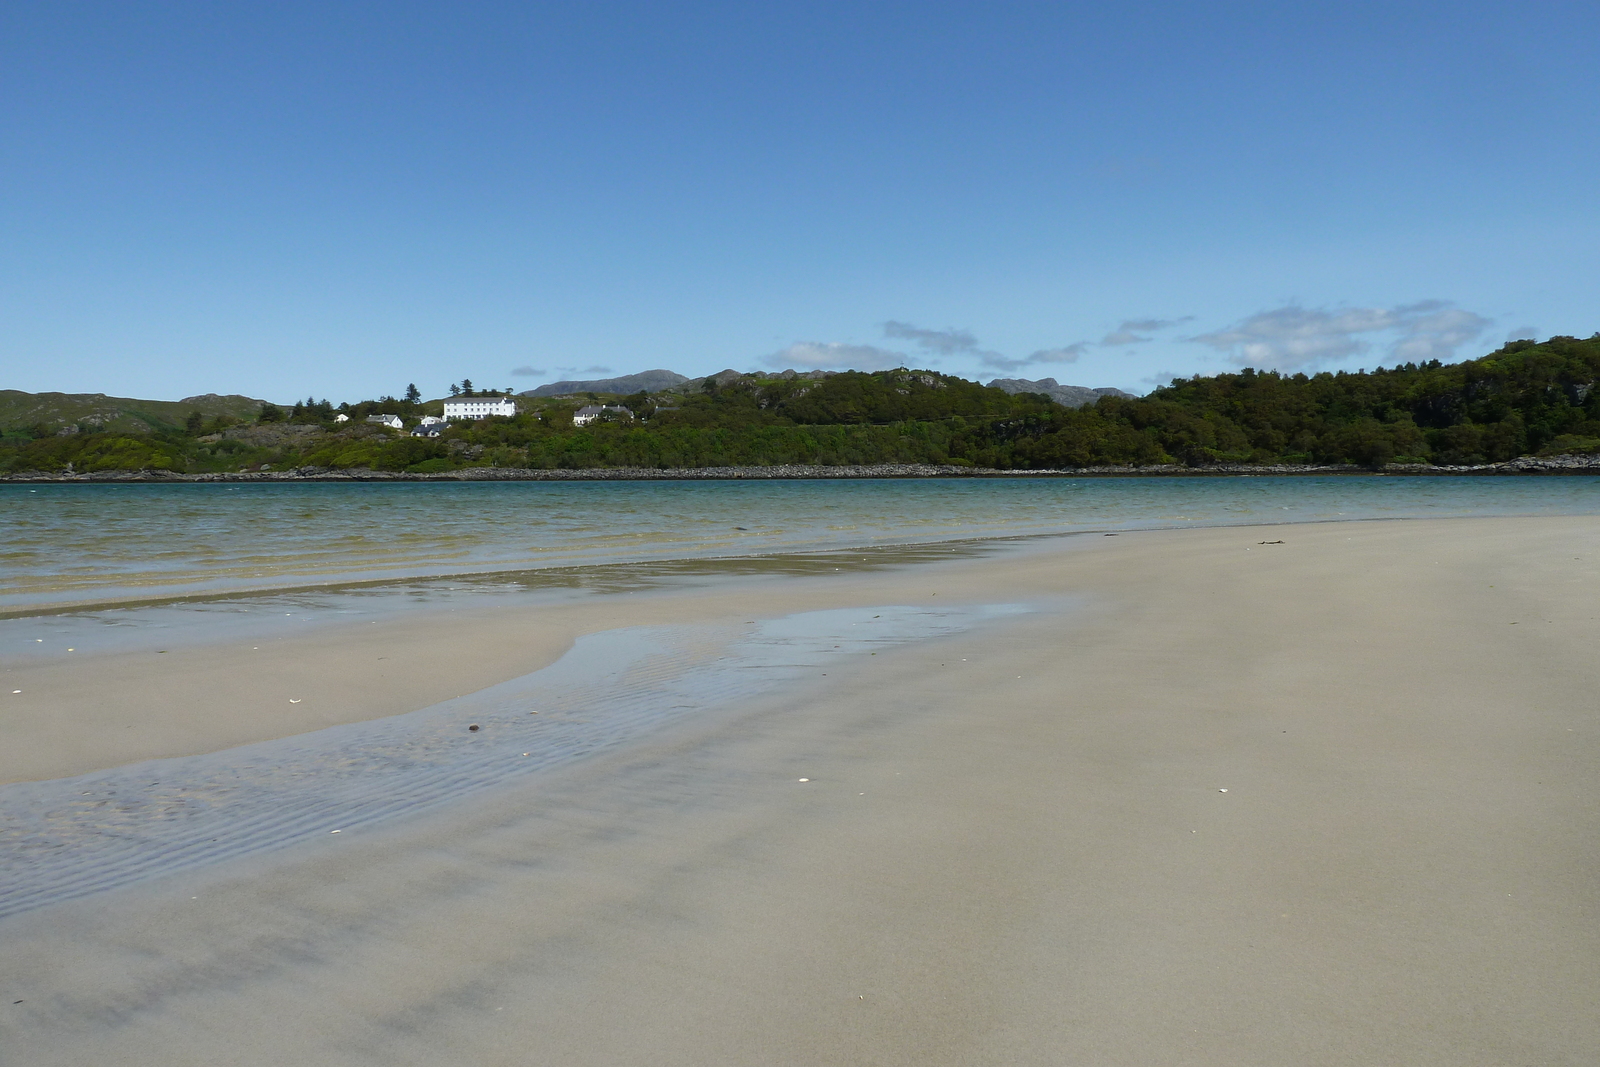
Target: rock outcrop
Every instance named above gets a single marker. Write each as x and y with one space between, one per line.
1069 396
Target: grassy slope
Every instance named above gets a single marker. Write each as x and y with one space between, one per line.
19 410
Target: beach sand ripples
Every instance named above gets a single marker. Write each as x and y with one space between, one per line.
69 838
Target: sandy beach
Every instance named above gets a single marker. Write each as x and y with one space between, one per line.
1319 794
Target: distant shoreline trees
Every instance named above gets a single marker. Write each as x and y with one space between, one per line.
1524 399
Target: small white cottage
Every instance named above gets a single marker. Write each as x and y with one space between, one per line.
592 413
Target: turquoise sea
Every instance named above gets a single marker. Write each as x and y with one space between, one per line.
95 544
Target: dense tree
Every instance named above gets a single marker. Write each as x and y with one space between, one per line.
1524 399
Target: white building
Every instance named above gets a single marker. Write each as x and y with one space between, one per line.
432 420
585 415
341 417
478 407
391 421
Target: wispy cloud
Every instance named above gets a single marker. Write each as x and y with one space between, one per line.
1122 337
528 372
1152 325
569 373
949 342
953 342
833 355
1064 354
945 342
1135 331
1434 330
1523 333
1294 337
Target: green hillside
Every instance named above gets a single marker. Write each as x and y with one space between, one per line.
98 413
1525 399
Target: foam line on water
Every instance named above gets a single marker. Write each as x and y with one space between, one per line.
72 837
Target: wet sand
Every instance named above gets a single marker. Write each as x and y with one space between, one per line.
1328 801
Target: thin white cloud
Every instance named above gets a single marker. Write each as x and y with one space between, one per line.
953 342
528 372
1298 338
1523 333
936 343
1133 331
1122 337
1152 325
1064 354
1434 330
833 355
596 369
945 342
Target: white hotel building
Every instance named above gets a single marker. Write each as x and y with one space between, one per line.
478 407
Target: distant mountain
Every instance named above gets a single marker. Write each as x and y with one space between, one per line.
1070 396
96 411
650 381
729 376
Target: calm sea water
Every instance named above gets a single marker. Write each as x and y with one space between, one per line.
81 544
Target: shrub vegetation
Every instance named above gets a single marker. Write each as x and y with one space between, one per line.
1524 399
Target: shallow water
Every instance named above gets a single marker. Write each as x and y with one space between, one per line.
295 549
70 837
83 544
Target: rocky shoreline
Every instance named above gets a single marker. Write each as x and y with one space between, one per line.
1525 465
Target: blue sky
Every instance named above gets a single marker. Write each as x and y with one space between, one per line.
337 199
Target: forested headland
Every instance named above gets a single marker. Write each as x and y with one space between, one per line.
1526 399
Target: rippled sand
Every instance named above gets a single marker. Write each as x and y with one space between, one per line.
1217 800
